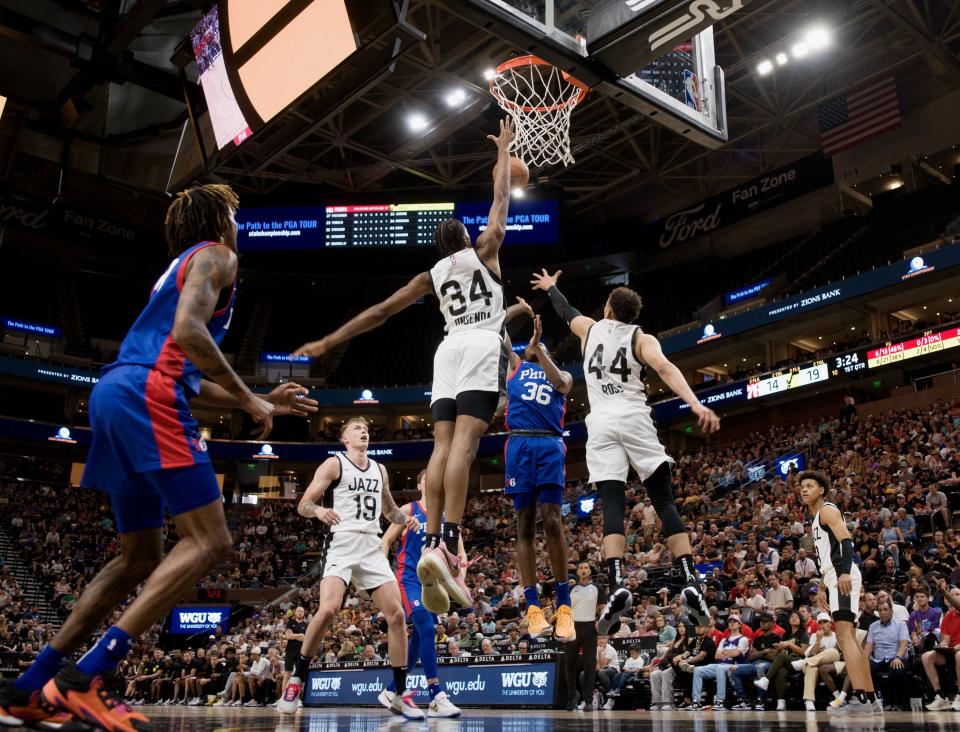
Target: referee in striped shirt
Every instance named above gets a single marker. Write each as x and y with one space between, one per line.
585 597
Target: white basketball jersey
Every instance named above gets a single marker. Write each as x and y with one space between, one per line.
470 294
357 497
826 544
613 374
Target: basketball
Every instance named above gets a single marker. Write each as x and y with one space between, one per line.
519 172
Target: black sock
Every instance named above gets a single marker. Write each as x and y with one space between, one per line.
614 574
685 563
451 537
400 679
431 541
865 697
303 663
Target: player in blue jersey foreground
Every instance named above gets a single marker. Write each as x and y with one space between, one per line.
535 472
423 638
147 453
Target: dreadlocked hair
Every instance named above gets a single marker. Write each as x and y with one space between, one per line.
200 213
450 236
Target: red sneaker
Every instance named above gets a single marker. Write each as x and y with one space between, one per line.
21 708
86 698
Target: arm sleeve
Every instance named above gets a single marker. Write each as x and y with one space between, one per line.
563 308
846 557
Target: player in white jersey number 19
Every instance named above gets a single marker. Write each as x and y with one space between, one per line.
348 493
840 590
469 371
621 434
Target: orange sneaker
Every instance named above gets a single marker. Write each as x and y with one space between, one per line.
86 698
28 709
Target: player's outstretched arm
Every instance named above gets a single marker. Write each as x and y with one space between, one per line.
562 381
308 507
209 271
490 239
391 512
394 531
647 350
579 324
372 317
287 398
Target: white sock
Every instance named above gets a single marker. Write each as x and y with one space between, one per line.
843 696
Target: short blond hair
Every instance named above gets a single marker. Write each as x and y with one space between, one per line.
362 420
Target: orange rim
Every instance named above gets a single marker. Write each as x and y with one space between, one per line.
521 61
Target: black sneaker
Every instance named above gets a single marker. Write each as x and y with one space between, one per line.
573 701
692 597
620 601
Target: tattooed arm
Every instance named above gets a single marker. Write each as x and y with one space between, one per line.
391 512
394 531
209 271
328 472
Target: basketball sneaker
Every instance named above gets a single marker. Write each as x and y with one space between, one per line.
386 698
21 708
441 566
404 704
620 601
86 698
290 701
692 597
537 623
441 706
564 630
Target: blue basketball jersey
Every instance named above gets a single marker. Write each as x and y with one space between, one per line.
411 544
532 402
149 344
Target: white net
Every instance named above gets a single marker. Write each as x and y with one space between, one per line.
541 98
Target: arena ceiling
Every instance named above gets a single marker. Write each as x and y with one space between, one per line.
99 72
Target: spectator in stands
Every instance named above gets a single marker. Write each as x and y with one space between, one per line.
888 648
906 524
768 556
804 567
732 650
947 651
632 667
763 650
793 647
924 620
822 651
868 611
779 598
938 507
665 670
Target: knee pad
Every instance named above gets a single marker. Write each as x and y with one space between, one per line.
660 490
613 503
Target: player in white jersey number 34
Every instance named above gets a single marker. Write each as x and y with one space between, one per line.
348 493
621 434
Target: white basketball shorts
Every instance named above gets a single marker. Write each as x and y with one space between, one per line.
357 557
472 360
618 440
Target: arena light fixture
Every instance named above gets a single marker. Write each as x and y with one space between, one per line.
817 38
488 74
782 59
417 122
456 98
800 49
765 67
519 193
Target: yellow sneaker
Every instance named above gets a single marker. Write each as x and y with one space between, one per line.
537 624
564 630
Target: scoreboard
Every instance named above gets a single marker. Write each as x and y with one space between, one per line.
929 342
778 381
386 225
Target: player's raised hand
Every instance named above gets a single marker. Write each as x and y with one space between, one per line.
544 280
412 524
507 133
328 516
313 349
291 398
537 332
526 307
262 412
707 419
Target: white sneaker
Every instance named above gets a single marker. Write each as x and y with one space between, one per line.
386 698
781 705
404 704
762 683
799 664
956 703
939 704
252 703
441 706
810 706
220 703
838 701
608 704
289 702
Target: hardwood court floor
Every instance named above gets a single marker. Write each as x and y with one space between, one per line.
365 719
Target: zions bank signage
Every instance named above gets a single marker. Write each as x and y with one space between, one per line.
763 192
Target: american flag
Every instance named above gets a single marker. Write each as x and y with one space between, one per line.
855 117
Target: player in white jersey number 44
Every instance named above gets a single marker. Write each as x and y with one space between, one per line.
469 372
621 434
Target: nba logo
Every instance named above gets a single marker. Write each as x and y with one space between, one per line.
691 85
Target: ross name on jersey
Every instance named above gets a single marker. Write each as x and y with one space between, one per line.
366 485
471 318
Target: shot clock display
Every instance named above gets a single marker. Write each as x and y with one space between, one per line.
849 363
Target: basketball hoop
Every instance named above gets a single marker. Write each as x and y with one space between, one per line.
540 97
